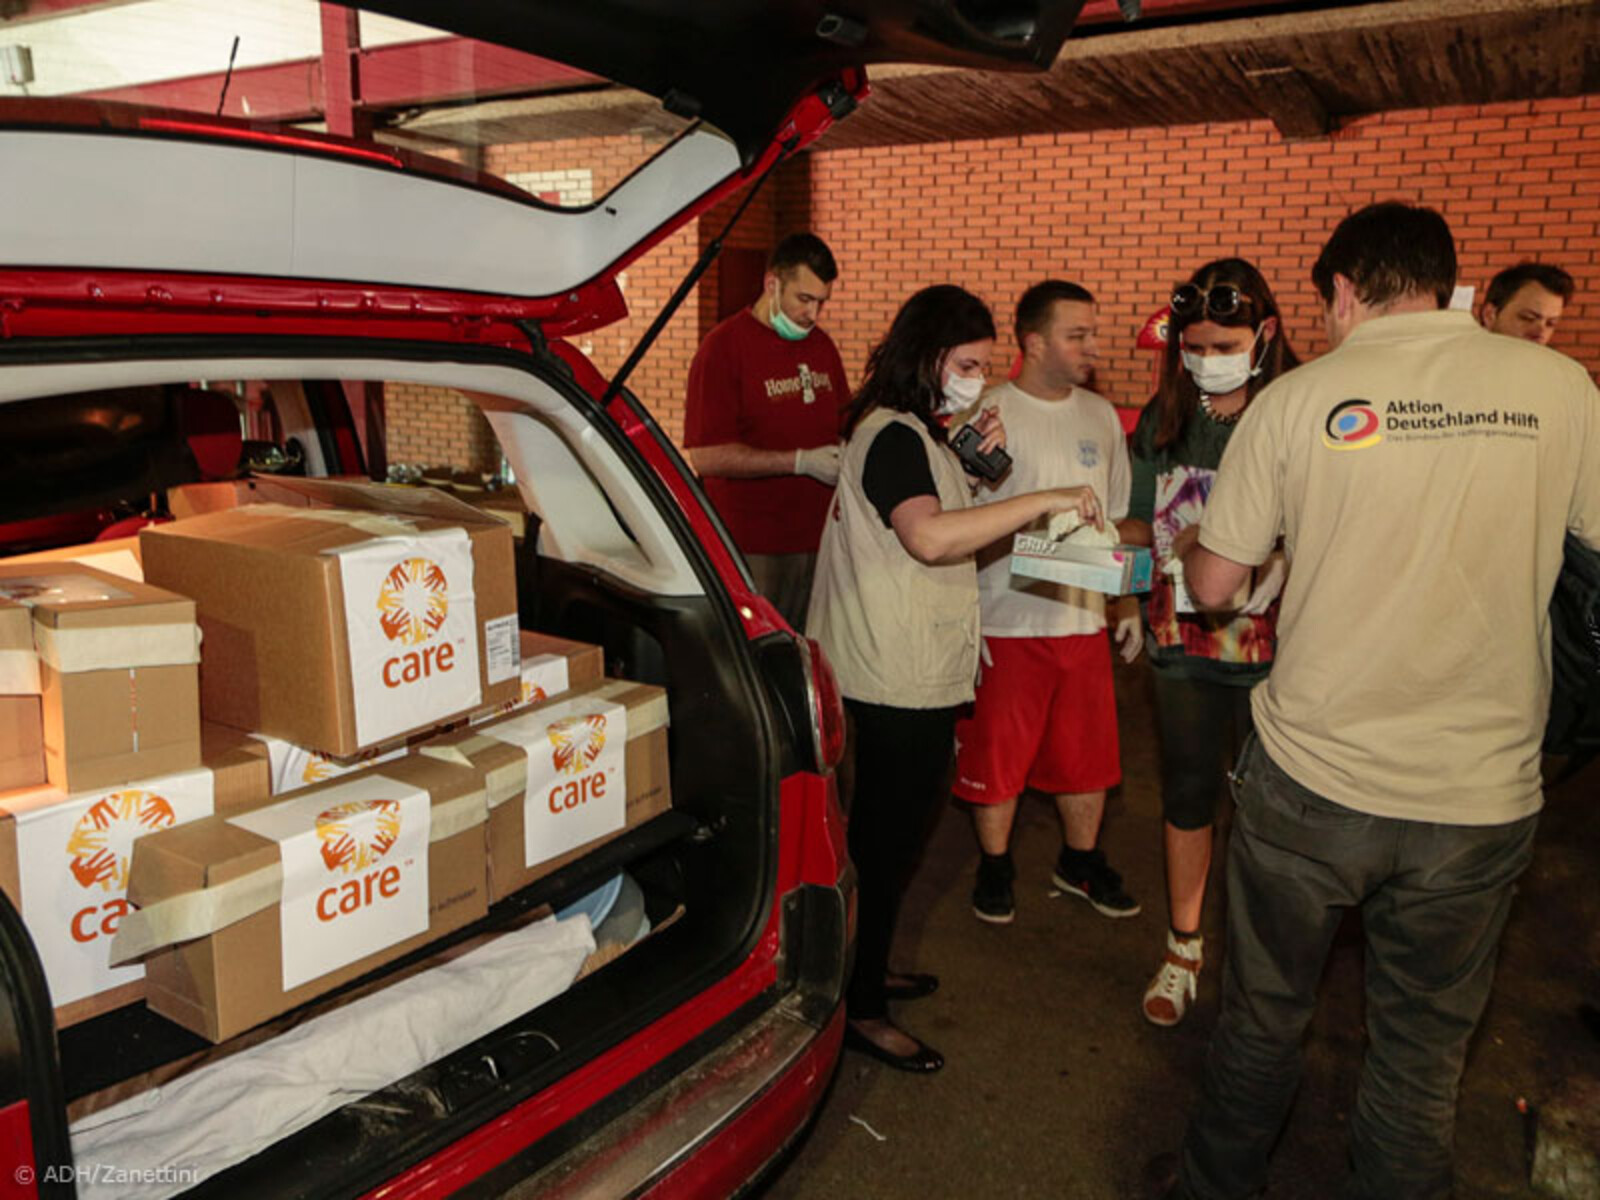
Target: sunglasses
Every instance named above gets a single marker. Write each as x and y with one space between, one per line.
1222 300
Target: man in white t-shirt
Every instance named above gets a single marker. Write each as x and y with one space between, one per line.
1045 715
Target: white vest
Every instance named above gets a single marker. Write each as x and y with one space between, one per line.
897 632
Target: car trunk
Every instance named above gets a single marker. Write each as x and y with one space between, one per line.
705 870
251 253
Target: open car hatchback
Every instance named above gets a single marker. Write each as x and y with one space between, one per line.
187 296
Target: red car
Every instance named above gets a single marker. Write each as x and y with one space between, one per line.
158 258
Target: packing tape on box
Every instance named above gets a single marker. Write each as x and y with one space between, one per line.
191 915
116 647
508 782
373 524
19 673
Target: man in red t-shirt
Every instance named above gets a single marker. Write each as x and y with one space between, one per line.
766 392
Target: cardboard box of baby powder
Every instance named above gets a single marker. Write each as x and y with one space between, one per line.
64 862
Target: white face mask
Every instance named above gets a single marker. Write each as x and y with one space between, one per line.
960 393
1219 374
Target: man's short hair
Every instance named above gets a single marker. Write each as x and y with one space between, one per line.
803 250
1389 250
1512 280
1037 303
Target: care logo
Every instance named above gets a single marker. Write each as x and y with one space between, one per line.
358 854
346 849
413 601
98 849
102 840
1352 425
576 742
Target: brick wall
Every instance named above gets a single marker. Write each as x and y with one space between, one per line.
1129 213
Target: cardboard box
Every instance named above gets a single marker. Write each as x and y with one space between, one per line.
21 743
64 863
117 674
550 667
346 628
1116 570
116 556
21 732
561 781
245 915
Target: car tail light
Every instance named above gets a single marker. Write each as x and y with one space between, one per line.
827 706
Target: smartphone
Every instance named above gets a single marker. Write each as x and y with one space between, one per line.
991 466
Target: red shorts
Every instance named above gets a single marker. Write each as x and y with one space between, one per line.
1045 718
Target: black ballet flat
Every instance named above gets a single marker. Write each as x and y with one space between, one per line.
924 1061
915 987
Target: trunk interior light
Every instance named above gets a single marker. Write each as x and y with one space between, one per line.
827 707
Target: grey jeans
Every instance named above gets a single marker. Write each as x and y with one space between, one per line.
1433 901
785 579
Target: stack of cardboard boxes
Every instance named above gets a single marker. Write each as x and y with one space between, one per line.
384 753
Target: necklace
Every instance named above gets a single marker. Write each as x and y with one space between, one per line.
1220 418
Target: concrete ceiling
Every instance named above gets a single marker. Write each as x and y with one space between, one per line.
1305 69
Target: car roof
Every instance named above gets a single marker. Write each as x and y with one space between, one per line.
741 65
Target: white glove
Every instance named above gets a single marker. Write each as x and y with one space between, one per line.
1130 637
1270 582
819 462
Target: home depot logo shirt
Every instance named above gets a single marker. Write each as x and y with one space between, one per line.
355 871
411 622
73 856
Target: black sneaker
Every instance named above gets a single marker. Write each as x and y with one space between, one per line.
991 895
1089 876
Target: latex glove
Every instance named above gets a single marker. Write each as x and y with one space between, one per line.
819 462
1269 583
1129 629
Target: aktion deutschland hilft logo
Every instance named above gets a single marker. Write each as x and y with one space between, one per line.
1352 425
98 849
341 849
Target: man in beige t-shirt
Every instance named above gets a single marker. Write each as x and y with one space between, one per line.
1423 476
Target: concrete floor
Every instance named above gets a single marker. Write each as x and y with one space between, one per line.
1055 1085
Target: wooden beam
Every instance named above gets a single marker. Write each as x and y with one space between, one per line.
1291 103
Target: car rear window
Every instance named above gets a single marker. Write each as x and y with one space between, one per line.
565 136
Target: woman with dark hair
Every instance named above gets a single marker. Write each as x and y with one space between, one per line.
1225 342
895 607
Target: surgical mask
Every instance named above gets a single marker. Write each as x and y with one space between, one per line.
960 393
783 326
1219 374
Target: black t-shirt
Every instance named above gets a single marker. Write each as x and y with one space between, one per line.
896 470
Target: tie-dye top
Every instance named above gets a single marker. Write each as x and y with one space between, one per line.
1170 489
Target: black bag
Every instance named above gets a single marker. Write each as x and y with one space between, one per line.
1573 728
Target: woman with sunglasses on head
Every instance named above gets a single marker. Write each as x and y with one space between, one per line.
895 607
1225 342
